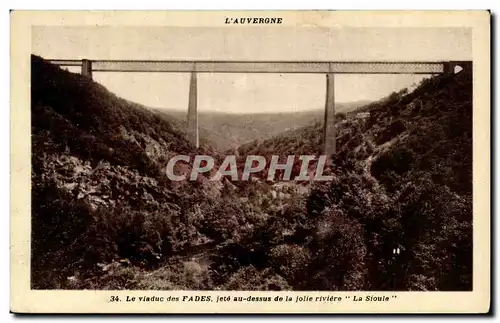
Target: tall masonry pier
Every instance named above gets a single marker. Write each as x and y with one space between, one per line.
329 123
192 117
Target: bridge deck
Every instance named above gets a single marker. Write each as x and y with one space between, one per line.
261 67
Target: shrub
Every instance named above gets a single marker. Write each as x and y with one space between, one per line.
291 261
249 278
390 132
339 251
398 160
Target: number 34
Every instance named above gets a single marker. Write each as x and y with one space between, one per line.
114 299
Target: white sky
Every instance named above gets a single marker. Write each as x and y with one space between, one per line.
246 93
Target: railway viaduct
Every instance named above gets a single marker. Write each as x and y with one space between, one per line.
329 69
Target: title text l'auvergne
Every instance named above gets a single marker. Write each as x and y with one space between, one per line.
253 20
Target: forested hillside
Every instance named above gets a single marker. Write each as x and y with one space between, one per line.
105 216
99 188
403 177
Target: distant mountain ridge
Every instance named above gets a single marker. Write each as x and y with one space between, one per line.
231 130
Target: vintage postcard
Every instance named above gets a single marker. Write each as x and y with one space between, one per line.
250 162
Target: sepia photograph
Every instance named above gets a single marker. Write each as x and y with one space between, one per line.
252 155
